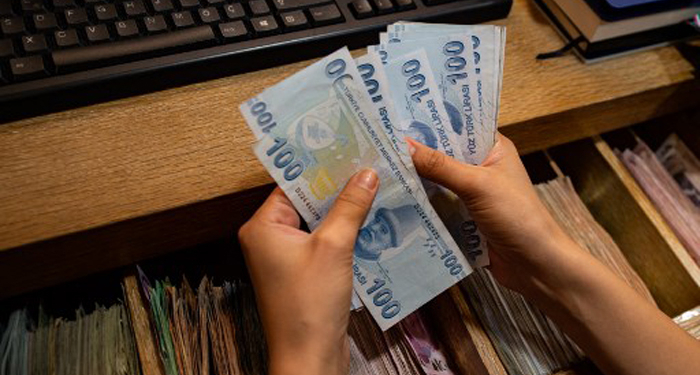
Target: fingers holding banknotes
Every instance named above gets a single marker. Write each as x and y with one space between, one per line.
303 281
499 195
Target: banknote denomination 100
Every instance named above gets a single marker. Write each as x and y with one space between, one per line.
326 129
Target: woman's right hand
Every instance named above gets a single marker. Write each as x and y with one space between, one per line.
618 329
522 236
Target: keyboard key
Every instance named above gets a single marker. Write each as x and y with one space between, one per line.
134 8
32 6
5 8
13 25
162 5
209 15
97 33
215 2
234 11
405 4
7 49
101 54
155 24
34 43
76 16
258 7
264 25
105 12
383 6
361 8
27 67
326 14
294 20
182 19
189 3
66 38
294 4
126 28
45 21
233 30
63 3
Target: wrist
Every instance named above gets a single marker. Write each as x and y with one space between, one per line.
312 359
552 272
565 279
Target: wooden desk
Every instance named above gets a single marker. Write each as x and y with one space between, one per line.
102 186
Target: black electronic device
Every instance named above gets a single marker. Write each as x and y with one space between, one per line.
58 54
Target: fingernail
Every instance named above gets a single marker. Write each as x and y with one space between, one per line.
411 149
409 145
368 179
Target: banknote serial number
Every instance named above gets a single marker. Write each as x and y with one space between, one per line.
285 159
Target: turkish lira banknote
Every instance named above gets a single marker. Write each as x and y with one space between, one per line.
318 128
434 111
486 44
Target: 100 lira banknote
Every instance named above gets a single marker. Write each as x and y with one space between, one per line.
315 130
487 42
450 58
422 116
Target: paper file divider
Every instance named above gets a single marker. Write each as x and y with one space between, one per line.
621 207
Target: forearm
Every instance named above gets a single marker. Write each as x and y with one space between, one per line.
309 365
620 331
310 355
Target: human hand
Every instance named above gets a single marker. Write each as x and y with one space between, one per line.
522 236
303 281
531 254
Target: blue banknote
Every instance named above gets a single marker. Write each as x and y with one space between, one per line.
419 104
319 127
450 57
374 77
422 116
487 44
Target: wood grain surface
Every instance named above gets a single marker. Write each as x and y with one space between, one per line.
92 166
98 166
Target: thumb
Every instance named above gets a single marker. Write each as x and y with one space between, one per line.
432 164
344 219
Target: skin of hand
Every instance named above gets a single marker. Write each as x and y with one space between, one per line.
303 281
531 254
505 206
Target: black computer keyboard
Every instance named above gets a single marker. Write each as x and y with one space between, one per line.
57 54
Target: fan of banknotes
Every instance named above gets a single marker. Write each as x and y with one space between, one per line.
439 84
